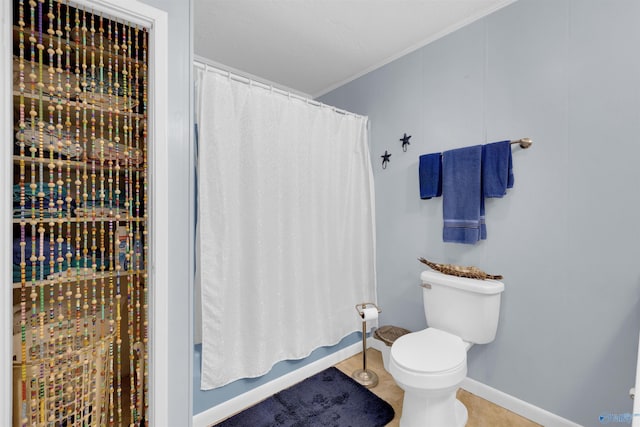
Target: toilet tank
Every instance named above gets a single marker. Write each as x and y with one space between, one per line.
468 308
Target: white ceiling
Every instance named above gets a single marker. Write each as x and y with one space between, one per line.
314 46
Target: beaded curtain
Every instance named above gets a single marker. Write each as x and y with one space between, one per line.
80 217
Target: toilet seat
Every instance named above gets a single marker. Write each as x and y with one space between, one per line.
428 359
429 351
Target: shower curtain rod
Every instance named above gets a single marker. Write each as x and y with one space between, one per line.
208 65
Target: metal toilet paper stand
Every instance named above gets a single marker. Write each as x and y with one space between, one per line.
365 376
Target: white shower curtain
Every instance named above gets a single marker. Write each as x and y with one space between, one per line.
286 229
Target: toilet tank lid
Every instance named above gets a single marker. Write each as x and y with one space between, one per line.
463 283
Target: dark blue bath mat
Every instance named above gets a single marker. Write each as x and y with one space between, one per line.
330 399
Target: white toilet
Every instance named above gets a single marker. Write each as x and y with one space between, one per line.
429 365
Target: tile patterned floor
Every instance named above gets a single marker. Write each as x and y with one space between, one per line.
482 413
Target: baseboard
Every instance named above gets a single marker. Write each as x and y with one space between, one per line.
516 405
250 398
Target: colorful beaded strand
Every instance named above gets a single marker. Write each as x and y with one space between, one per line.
118 296
22 171
57 364
113 243
36 374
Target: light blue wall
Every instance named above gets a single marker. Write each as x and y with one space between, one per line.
180 124
566 237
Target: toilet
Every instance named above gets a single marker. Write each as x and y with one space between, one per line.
429 365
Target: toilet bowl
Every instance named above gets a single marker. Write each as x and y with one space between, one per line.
429 365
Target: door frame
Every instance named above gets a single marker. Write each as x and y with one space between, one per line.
156 21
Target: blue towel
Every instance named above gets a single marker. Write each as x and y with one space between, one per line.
430 174
462 206
483 225
497 169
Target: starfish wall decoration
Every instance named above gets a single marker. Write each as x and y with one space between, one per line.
385 159
405 141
